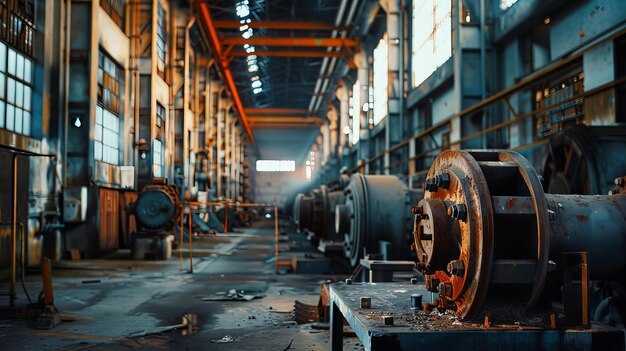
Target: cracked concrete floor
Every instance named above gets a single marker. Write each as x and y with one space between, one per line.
114 299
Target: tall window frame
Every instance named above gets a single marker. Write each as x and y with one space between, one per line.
161 42
107 140
16 90
431 37
158 144
381 80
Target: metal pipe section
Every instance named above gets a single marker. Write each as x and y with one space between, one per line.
485 221
375 219
316 212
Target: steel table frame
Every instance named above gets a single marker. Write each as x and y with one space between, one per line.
375 336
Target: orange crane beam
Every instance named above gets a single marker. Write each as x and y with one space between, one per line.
225 68
287 53
291 41
256 111
279 25
285 119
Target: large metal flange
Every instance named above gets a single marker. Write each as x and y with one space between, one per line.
474 241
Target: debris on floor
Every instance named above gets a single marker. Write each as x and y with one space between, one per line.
232 295
226 339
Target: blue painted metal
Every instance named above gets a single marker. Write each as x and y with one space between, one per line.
447 334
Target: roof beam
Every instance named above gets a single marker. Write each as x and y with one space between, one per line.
257 111
291 41
225 68
285 120
280 25
274 126
287 53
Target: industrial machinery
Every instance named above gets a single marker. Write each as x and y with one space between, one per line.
316 212
156 210
583 160
375 217
486 231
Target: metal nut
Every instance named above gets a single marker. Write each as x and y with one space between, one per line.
445 289
431 283
458 212
413 280
456 267
619 181
429 185
388 320
366 302
442 180
348 281
417 210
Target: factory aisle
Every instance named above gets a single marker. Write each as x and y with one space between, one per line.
119 304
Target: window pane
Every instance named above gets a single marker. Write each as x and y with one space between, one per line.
99 114
19 122
27 97
98 151
28 71
19 70
3 57
19 94
26 123
10 117
2 85
98 135
12 59
1 114
11 91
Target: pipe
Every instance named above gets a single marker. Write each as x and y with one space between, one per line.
602 309
13 236
228 77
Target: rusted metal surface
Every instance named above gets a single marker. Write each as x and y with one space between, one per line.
109 212
512 233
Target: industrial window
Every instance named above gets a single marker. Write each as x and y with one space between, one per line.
275 166
115 10
17 24
356 112
16 78
158 145
381 78
431 37
161 43
107 138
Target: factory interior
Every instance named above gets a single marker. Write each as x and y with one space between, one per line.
312 175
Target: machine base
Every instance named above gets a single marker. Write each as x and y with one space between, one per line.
415 330
150 246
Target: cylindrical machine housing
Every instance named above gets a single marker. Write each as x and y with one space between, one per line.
376 211
486 221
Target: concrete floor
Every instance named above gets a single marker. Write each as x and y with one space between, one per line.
114 300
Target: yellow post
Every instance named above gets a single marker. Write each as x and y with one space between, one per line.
276 236
182 228
190 240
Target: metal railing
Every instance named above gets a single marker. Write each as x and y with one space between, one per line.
426 135
226 205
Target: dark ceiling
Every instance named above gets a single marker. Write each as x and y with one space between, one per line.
287 82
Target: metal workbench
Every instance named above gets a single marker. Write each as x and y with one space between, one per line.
416 330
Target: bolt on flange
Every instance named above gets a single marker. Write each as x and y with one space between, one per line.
445 289
456 267
458 212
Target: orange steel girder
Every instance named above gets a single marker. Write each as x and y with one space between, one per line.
279 25
275 111
292 41
225 68
287 53
286 119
